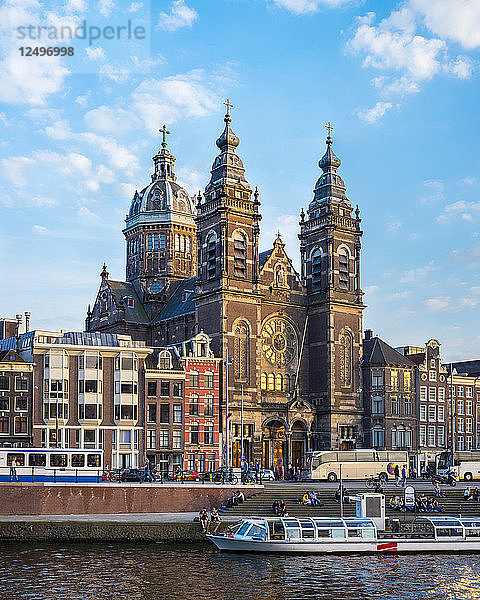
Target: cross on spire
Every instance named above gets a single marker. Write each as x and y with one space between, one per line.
165 132
229 106
329 128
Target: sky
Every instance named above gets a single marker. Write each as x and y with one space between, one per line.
399 81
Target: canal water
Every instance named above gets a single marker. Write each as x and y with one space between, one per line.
159 571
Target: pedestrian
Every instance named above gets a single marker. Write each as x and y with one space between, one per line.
396 472
404 476
13 470
275 472
203 517
214 519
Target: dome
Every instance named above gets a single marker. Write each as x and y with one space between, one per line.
161 195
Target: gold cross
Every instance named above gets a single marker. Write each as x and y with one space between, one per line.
329 128
165 132
229 106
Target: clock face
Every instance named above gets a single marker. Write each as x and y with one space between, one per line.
279 342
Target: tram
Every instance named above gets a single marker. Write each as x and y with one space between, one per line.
50 464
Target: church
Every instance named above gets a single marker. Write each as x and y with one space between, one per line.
291 342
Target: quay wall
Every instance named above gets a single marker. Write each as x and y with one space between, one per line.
106 498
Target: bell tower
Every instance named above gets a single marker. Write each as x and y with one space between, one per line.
330 255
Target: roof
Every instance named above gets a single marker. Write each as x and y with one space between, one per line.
470 367
263 257
181 302
121 290
378 352
11 356
151 361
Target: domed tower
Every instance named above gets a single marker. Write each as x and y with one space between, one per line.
160 232
330 255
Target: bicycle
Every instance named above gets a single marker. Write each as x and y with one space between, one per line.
224 476
374 481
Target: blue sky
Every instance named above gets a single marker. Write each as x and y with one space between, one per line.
398 80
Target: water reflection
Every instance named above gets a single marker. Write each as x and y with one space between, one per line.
121 572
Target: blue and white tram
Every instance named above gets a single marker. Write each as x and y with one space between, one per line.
50 464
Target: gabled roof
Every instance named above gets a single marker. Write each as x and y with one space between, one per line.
378 352
11 356
180 302
471 367
151 362
121 290
263 257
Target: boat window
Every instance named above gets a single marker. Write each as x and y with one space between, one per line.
321 523
78 460
472 532
308 529
446 523
358 523
93 460
354 532
291 523
37 460
293 533
368 533
277 530
449 531
58 460
470 523
338 533
243 529
19 458
257 531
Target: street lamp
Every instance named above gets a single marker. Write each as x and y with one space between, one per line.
227 453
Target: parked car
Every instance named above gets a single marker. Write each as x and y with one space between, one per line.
268 475
132 475
187 476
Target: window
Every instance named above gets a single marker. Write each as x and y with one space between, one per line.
460 391
394 379
346 358
178 389
241 350
162 241
4 383
423 394
152 388
177 413
407 381
152 413
441 435
211 256
21 384
208 405
164 388
343 269
377 406
469 407
316 270
4 425
441 413
194 433
460 407
193 408
431 435
423 435
468 442
394 438
164 360
90 411
164 438
239 254
378 438
460 425
208 434
40 460
4 403
408 405
191 462
21 424
461 443
377 379
58 460
432 376
21 403
278 382
88 386
89 438
395 405
164 413
432 393
125 387
263 381
151 439
432 413
208 381
469 392
128 412
469 425
441 394
194 379
409 438
177 439
271 382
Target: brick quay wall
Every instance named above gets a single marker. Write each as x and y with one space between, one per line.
106 498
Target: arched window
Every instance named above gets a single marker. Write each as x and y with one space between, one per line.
188 246
346 357
241 350
263 381
278 383
164 360
177 242
343 269
211 256
316 270
271 382
239 254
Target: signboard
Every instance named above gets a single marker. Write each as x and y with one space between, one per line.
409 497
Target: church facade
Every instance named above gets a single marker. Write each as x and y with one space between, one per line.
290 342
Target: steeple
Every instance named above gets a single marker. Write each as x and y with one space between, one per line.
163 160
330 187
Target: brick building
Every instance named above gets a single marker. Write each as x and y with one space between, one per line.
16 393
464 390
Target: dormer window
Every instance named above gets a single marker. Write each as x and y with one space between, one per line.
164 360
130 302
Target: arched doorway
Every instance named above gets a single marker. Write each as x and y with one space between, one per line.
274 445
299 444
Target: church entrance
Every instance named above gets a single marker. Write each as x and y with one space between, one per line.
299 444
274 445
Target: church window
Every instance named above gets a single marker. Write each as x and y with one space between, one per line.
182 243
149 241
162 241
211 256
346 356
271 382
155 241
188 244
278 383
316 270
263 381
239 254
241 350
177 242
343 269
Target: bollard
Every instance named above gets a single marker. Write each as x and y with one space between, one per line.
76 475
54 475
33 476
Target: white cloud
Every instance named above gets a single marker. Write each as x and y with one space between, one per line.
116 74
416 273
469 180
191 179
105 7
76 6
462 67
435 189
302 7
86 214
95 53
44 202
39 229
469 256
371 289
372 115
14 169
134 6
461 208
394 225
180 15
437 304
114 120
396 86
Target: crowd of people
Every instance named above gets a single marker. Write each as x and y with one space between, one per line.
422 504
469 494
310 498
207 519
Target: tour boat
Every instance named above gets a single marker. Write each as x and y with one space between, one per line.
358 535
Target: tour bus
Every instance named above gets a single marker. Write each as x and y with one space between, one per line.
465 464
50 464
353 464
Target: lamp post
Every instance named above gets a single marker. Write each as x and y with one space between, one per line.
242 458
227 453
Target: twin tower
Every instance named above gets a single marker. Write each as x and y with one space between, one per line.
293 340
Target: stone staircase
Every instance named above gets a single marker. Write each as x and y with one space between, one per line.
260 504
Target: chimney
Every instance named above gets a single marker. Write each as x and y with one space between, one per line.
27 322
368 334
19 324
